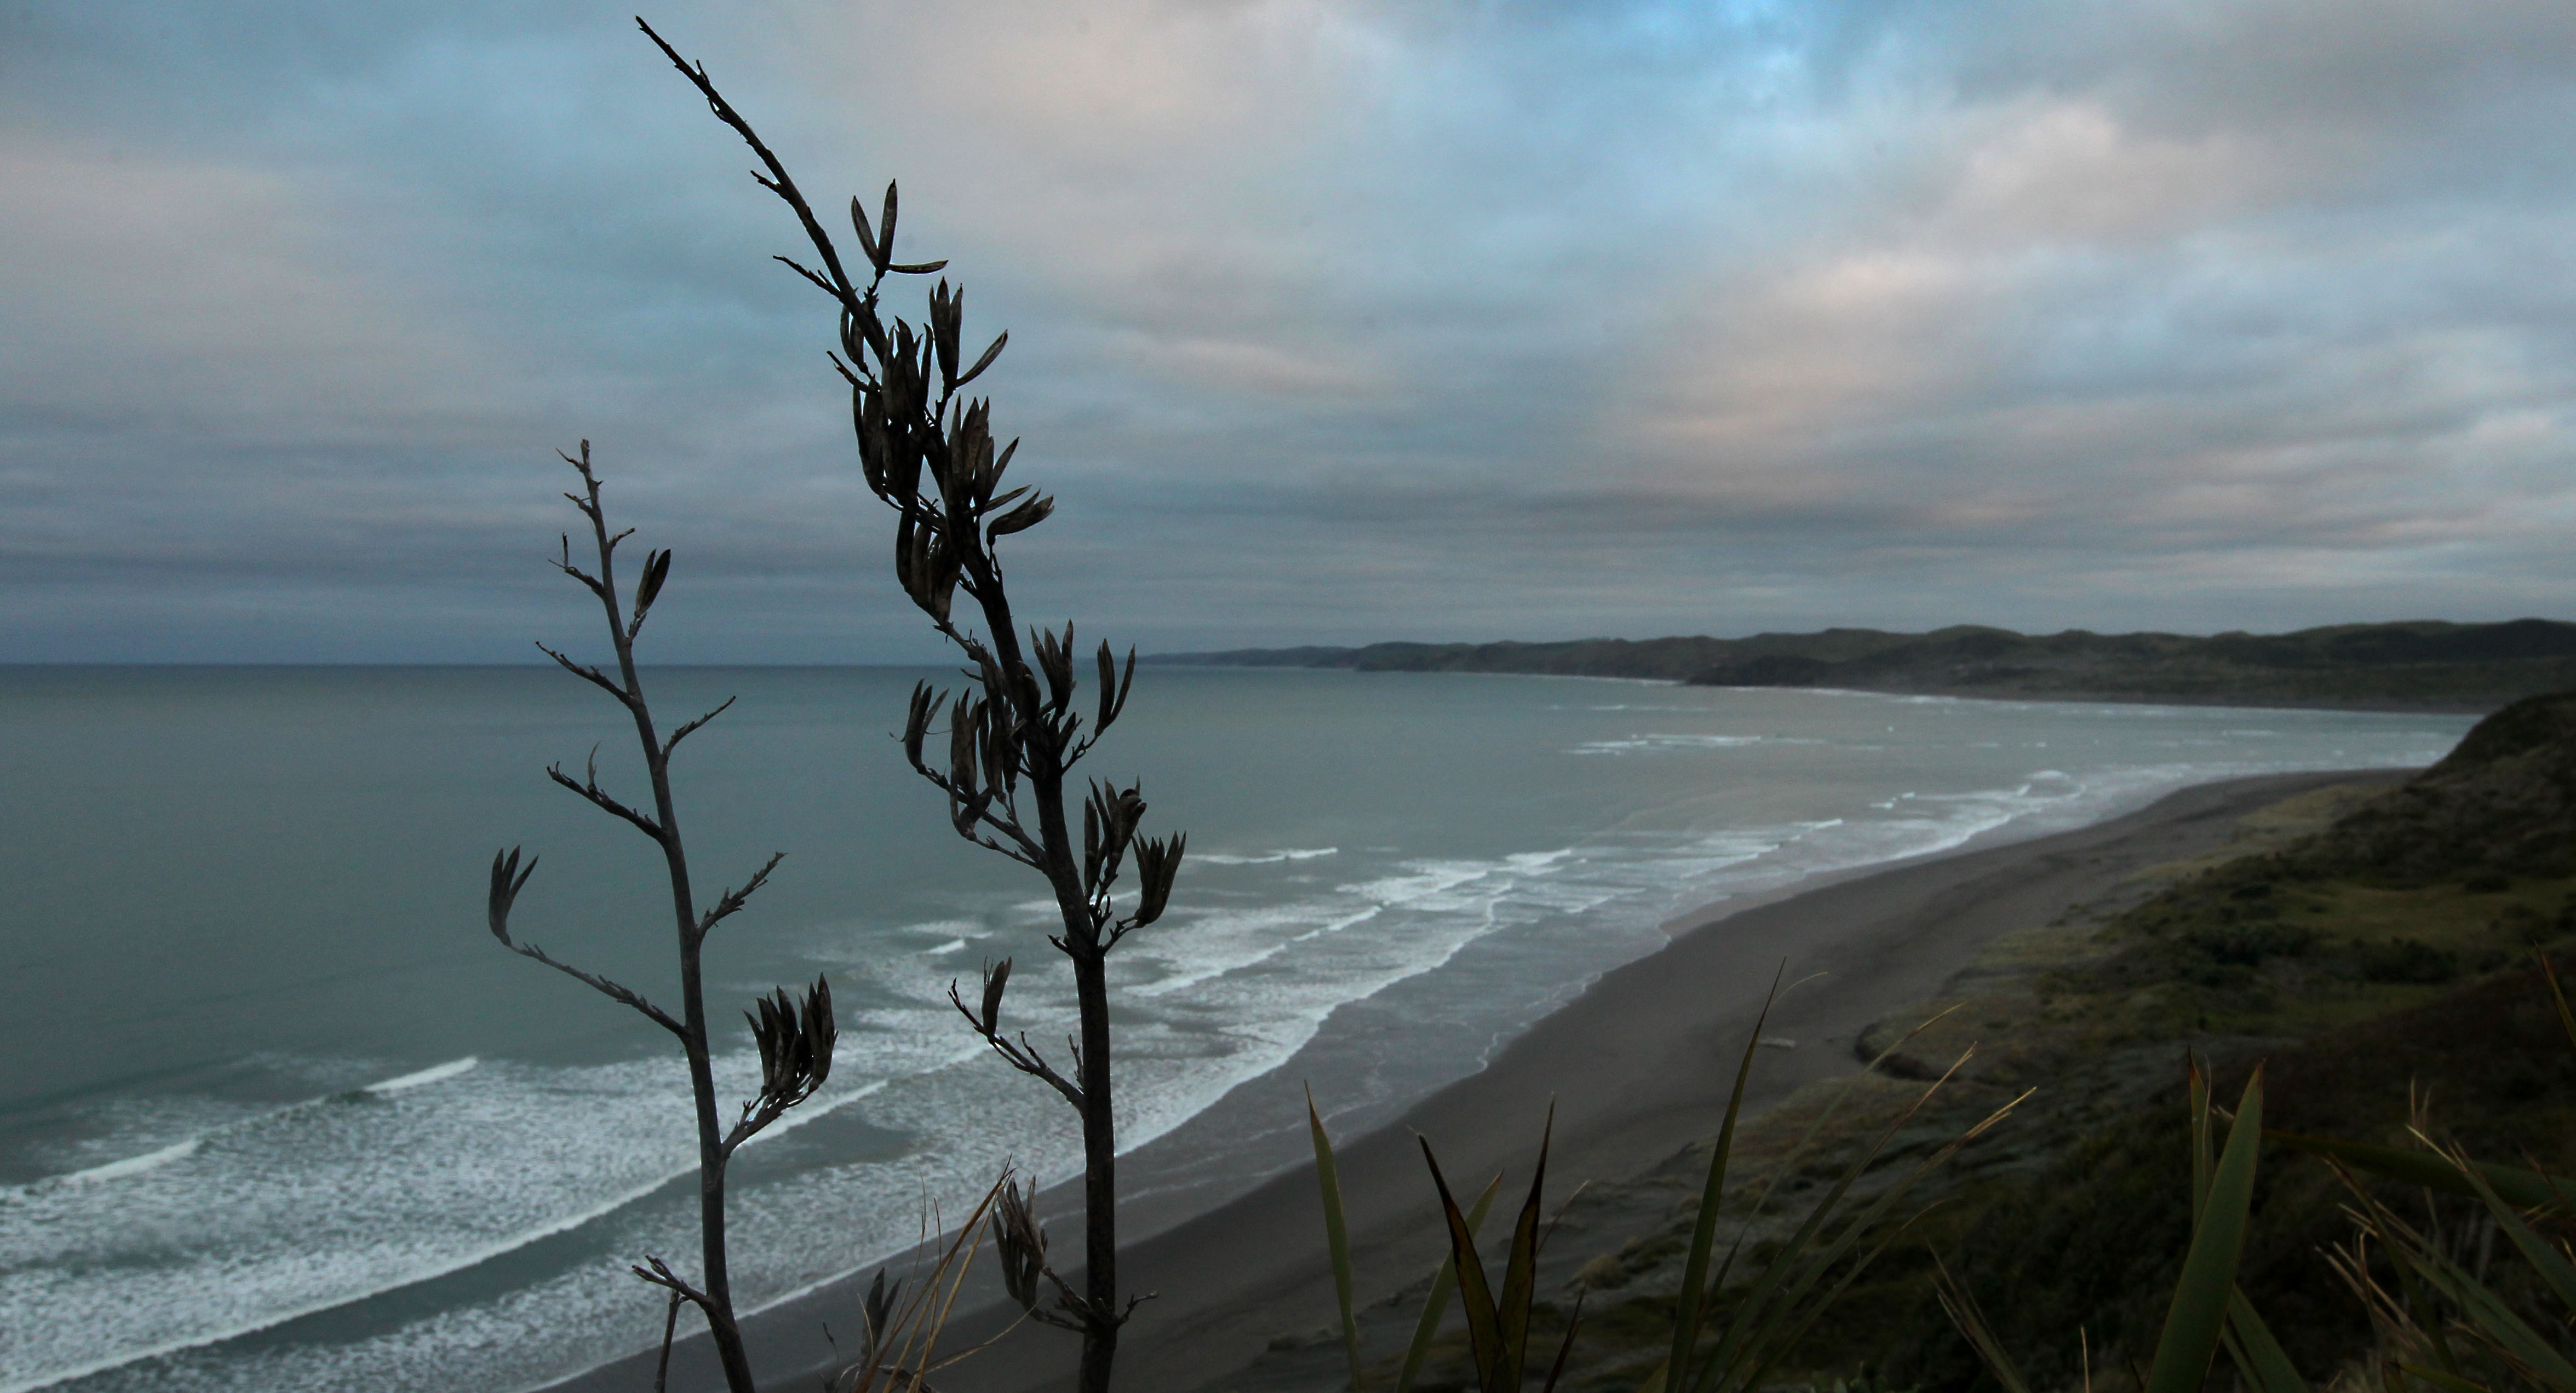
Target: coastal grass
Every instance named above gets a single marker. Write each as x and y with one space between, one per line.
1718 1335
2372 1002
2368 998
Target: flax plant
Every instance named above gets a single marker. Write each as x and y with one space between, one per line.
1776 1309
2442 1323
794 1035
900 1333
1013 738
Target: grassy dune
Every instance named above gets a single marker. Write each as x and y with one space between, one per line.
2369 944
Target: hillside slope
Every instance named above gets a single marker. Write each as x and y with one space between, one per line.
2415 664
2368 944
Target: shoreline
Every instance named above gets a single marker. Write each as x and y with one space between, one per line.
2392 706
1636 1064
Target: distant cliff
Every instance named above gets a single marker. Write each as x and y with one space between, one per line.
2416 664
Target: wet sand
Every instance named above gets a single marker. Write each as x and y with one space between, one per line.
1638 1067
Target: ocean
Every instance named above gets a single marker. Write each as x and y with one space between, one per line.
277 1115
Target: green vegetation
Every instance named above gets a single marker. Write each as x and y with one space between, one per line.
1715 1338
2366 953
2414 664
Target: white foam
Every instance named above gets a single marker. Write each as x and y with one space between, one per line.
436 1073
187 1146
1667 742
314 1206
302 1204
1274 973
131 1165
1266 858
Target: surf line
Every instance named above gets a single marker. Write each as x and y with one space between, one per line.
188 1146
435 1073
461 1262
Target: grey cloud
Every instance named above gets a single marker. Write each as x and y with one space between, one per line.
1328 322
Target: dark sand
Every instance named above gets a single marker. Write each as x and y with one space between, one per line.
1638 1067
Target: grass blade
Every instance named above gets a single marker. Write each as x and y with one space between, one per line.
1337 1235
2557 995
1774 1349
1484 1337
1520 1277
2259 1356
2546 1259
1799 1263
2453 1383
2198 1315
1436 1304
1687 1313
2521 1188
2493 1319
1971 1320
1573 1326
1769 1345
2199 1108
2419 1266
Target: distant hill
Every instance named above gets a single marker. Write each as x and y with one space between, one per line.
2415 664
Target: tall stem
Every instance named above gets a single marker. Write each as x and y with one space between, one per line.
1100 1175
904 427
1084 946
693 1020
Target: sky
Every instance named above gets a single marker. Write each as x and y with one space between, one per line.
1332 321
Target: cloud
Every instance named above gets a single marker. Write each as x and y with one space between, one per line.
1330 319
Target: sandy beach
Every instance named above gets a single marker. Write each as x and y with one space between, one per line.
1637 1067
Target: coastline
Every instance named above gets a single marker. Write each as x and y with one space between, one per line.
2075 695
1635 1065
2395 706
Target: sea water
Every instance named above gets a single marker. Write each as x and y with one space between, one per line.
277 1115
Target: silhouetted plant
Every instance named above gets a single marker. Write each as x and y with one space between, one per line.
795 1036
1799 1280
1015 738
899 1334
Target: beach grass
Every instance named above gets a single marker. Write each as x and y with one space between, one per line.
2069 1225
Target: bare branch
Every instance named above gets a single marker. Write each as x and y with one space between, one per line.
599 797
589 581
662 1276
589 674
778 180
683 732
1135 1301
1021 1055
799 268
622 995
796 1057
670 1327
732 899
1024 858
